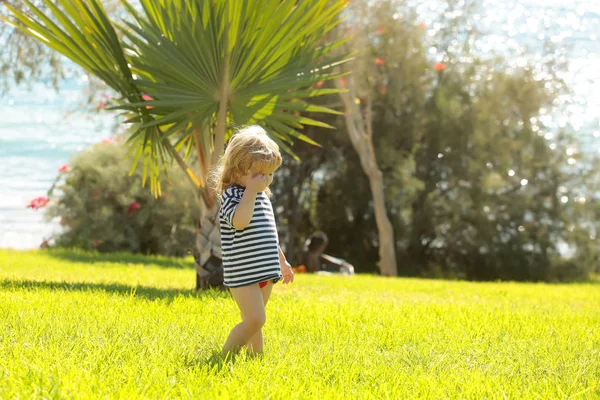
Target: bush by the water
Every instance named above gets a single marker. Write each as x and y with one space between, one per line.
102 207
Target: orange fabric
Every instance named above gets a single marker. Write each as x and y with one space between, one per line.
301 269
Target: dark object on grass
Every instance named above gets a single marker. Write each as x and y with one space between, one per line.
315 261
213 273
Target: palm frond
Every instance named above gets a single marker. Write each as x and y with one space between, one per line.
207 65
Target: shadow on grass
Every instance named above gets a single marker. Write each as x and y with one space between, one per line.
119 258
145 292
216 361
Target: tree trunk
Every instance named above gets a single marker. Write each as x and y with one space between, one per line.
207 255
207 252
387 248
293 214
360 131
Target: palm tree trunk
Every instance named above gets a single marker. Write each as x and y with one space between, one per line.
207 252
207 255
360 131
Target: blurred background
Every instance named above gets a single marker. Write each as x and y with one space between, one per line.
486 129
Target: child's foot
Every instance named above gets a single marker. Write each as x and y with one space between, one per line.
216 358
254 354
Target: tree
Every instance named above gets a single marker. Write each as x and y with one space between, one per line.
189 71
477 185
24 60
358 112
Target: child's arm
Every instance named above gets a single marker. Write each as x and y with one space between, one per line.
286 268
245 209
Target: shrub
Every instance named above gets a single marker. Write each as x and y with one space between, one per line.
102 207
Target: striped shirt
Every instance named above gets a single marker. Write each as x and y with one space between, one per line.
250 255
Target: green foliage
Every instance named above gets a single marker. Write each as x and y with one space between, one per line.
484 200
187 72
473 187
25 60
101 207
136 330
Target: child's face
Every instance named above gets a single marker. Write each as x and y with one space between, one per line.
256 171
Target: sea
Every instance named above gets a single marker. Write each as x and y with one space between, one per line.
41 129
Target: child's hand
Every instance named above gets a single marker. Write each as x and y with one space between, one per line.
286 271
256 183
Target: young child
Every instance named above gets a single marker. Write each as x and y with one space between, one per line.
252 258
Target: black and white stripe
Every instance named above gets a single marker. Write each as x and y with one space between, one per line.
250 255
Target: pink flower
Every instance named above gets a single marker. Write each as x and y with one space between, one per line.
422 25
38 202
439 66
64 168
133 207
343 81
107 96
147 98
110 140
379 61
319 84
381 29
102 105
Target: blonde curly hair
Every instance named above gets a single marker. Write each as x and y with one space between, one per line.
249 148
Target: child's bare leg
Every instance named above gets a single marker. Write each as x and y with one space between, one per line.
255 344
249 299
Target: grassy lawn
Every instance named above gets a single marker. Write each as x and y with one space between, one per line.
75 325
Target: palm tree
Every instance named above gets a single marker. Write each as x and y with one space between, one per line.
189 71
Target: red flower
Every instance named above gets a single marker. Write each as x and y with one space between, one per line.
344 82
133 207
381 29
319 84
64 168
422 25
439 66
147 98
383 89
38 202
379 61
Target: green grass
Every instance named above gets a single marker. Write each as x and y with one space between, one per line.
75 325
